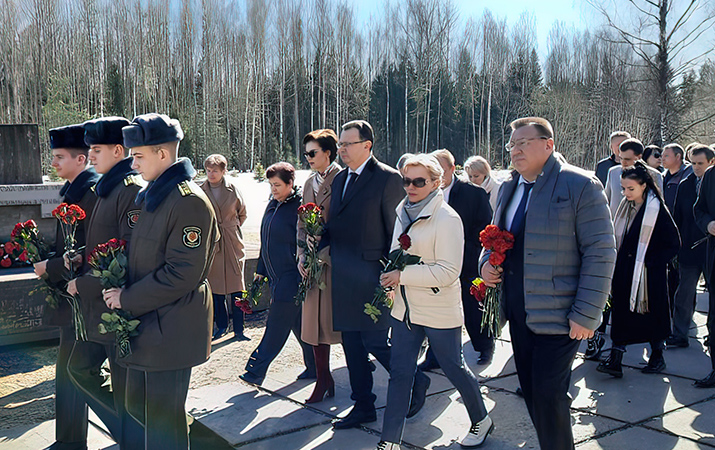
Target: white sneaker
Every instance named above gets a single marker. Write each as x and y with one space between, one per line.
478 433
382 445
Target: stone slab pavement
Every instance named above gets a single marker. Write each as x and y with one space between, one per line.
651 412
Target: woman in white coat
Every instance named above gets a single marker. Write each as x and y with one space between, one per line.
428 301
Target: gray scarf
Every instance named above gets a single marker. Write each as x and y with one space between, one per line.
413 210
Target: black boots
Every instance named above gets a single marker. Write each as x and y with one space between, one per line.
656 363
613 365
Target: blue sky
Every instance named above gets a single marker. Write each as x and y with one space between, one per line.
575 13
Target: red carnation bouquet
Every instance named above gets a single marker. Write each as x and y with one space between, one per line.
398 259
109 263
10 253
251 296
69 217
497 242
311 216
28 237
28 241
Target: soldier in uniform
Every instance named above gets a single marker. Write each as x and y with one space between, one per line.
114 216
69 159
169 259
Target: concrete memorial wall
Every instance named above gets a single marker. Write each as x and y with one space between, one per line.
23 196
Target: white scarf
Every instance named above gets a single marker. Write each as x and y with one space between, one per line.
639 292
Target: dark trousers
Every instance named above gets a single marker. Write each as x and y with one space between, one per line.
221 313
543 364
447 345
481 341
70 408
357 346
711 322
85 371
606 317
684 304
283 317
673 282
157 401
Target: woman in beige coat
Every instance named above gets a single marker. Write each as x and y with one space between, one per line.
428 301
317 319
226 274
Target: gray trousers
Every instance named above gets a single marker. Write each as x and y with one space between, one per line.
684 306
447 346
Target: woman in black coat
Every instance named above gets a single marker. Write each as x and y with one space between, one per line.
278 263
641 311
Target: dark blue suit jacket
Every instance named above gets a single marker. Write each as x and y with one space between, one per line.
360 234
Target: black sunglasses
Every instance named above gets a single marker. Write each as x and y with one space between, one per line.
657 155
418 182
311 153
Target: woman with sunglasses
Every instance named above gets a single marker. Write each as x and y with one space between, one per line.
317 315
653 156
428 301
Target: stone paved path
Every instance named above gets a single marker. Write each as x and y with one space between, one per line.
651 412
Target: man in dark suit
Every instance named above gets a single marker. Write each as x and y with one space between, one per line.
692 260
472 204
705 218
557 275
614 159
359 231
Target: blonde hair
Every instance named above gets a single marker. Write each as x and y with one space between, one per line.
444 155
429 162
478 164
216 160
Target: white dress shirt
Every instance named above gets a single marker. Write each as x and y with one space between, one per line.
358 171
515 200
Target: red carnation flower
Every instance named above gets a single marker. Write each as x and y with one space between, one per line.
23 256
30 224
496 259
5 262
405 241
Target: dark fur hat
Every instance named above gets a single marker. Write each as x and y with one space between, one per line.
71 136
107 130
152 129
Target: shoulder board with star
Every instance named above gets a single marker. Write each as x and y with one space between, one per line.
185 189
131 180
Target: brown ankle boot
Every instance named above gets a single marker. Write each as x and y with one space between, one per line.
324 386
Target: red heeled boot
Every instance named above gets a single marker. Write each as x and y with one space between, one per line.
324 386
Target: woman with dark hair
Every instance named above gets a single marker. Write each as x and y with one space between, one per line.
653 156
277 262
640 305
320 151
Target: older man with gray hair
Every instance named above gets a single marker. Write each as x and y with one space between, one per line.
557 276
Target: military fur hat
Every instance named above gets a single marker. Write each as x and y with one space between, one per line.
107 130
152 129
71 136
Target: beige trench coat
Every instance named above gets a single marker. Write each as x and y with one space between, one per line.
317 319
226 274
439 241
